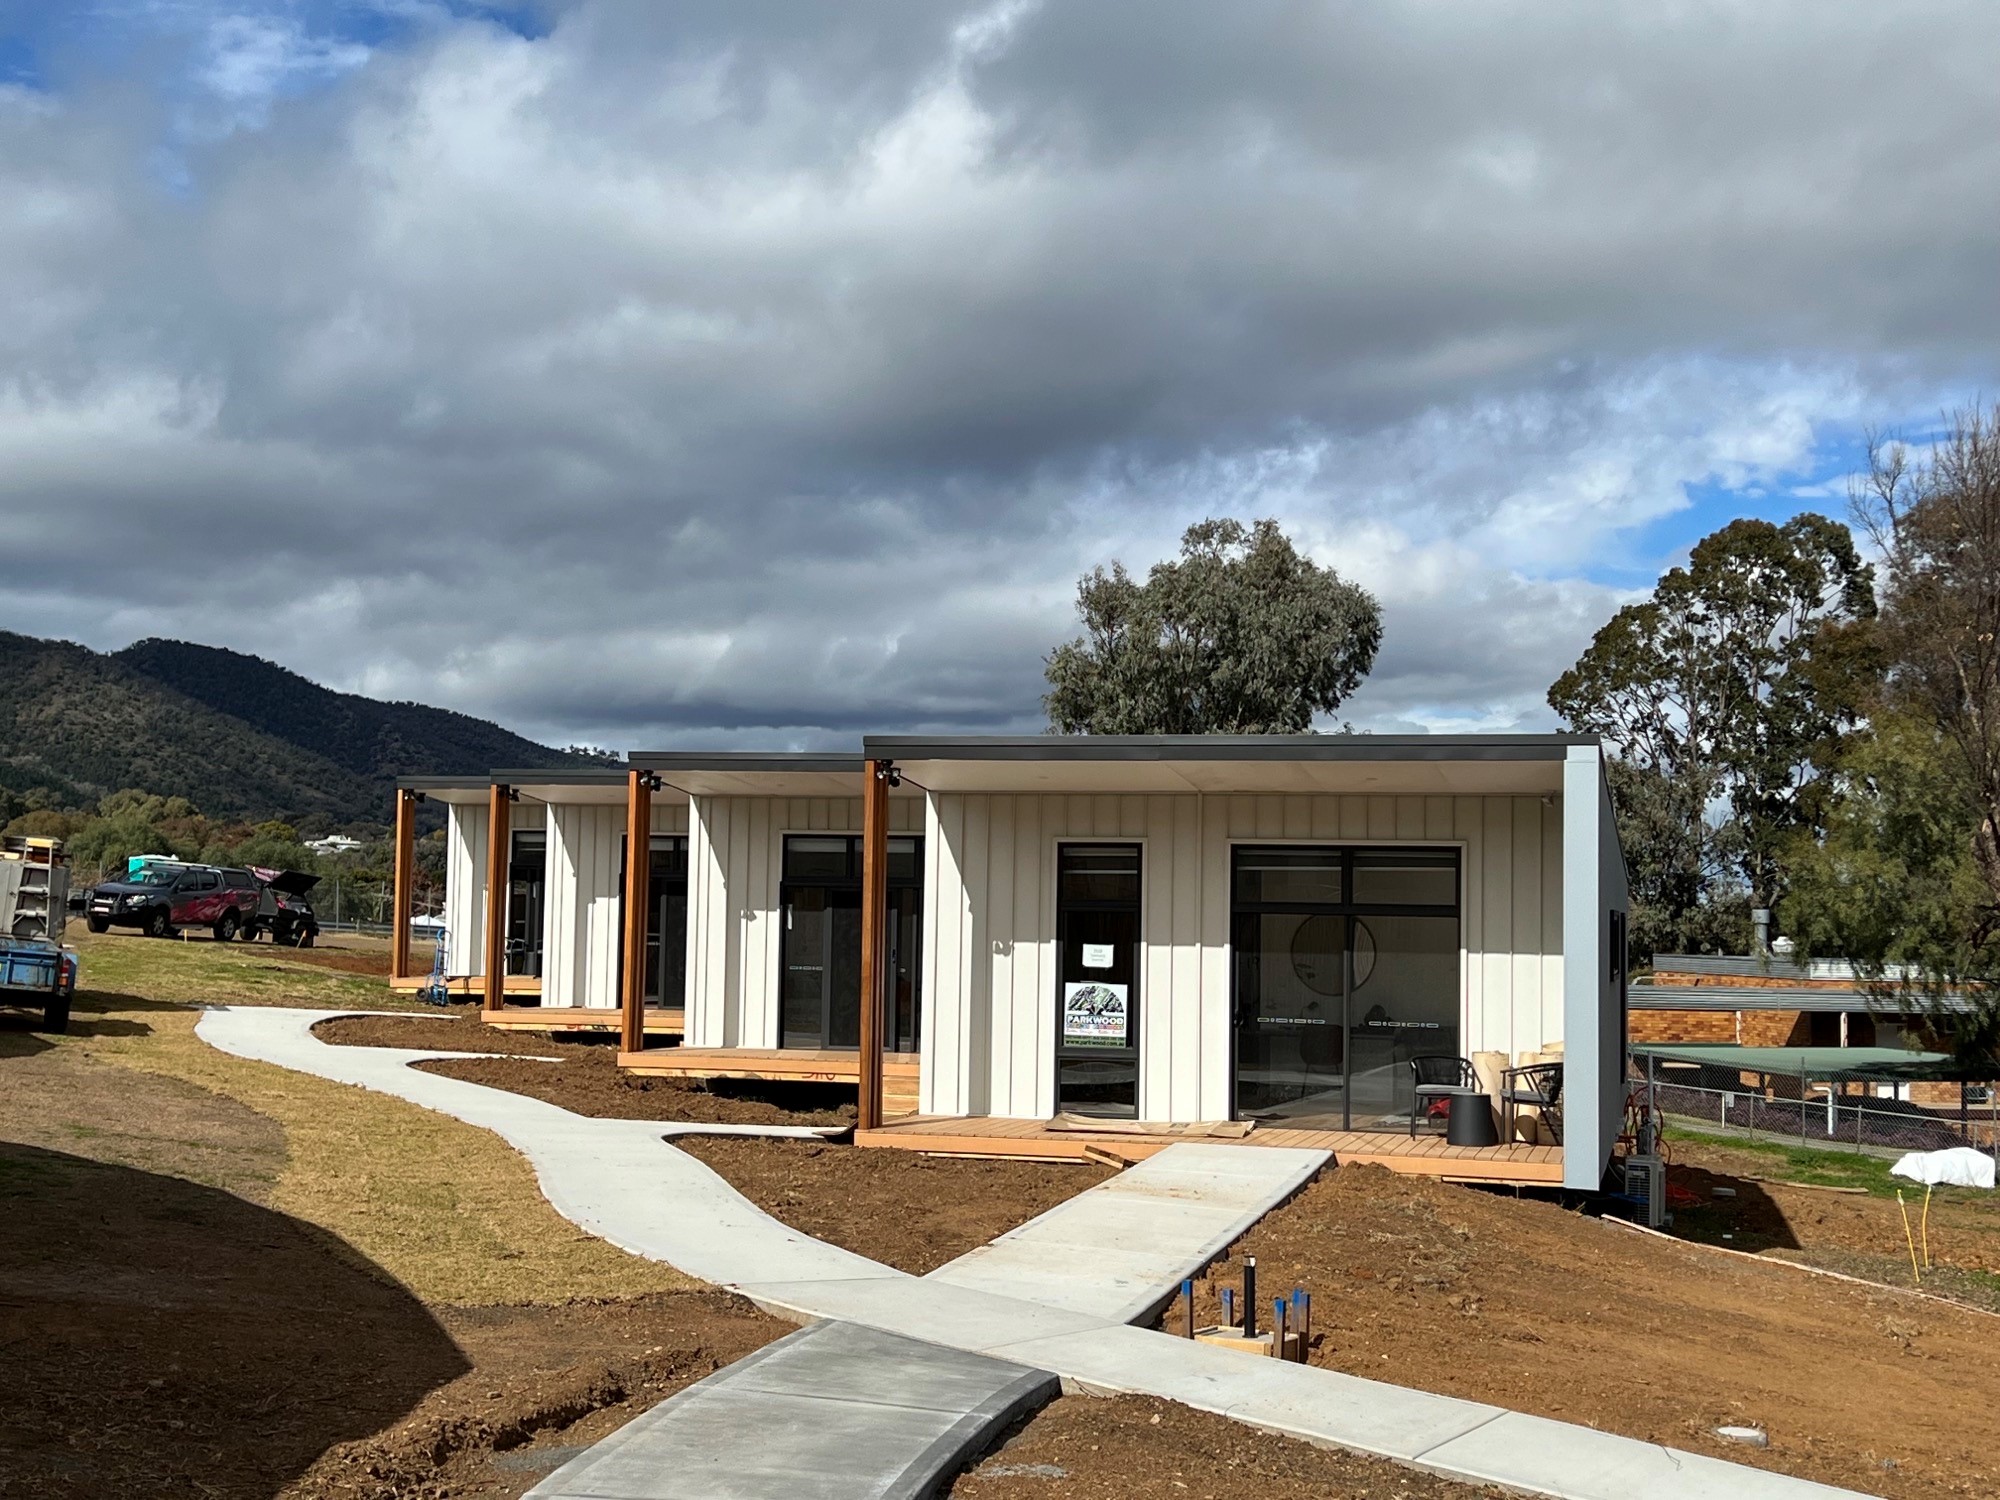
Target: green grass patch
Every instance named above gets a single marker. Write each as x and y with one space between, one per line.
1848 1169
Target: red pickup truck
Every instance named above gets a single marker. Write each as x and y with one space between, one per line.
163 898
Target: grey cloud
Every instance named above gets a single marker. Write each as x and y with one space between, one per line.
724 371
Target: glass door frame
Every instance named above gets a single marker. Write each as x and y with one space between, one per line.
1354 913
1137 907
527 904
903 941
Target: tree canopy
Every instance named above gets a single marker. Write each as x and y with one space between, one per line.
1239 635
1725 699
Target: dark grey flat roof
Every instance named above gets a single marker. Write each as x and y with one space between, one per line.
595 776
744 760
1224 747
607 776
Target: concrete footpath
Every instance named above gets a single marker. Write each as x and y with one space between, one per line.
1123 1248
834 1411
622 1181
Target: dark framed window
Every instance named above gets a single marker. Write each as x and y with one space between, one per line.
1098 890
819 998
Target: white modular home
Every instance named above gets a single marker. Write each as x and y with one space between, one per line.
1165 931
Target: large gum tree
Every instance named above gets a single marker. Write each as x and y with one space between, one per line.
1725 699
1241 634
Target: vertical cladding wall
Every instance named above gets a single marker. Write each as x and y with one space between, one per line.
1594 1054
989 931
735 861
586 899
465 882
465 889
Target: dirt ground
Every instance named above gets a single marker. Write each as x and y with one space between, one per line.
544 1383
1859 1233
1530 1306
1090 1448
170 1332
588 1080
904 1209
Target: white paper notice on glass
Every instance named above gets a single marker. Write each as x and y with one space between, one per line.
1097 955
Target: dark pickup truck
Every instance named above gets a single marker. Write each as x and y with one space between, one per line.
162 899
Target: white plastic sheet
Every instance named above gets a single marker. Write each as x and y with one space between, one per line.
1961 1166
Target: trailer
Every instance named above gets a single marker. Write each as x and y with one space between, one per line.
38 975
36 971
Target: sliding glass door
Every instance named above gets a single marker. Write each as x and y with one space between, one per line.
527 876
666 921
1346 967
819 1002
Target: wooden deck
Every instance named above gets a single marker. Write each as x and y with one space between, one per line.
1427 1155
659 1021
780 1065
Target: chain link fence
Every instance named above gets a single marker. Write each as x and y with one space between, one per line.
1825 1108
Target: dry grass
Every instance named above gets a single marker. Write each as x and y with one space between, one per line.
449 1210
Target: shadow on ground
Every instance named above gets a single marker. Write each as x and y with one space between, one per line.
1747 1218
171 1340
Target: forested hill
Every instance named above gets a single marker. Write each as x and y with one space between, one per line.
235 735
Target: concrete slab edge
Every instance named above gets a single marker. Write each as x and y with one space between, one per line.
973 1434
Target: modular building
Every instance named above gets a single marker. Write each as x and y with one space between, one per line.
1173 931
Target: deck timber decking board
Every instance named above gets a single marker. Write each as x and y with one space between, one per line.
659 1020
1531 1166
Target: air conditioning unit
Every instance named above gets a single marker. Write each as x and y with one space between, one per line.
1646 1185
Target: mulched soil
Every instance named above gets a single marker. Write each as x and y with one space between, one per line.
904 1209
588 1079
544 1383
1529 1306
1091 1448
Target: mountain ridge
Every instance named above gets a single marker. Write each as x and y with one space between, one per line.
237 735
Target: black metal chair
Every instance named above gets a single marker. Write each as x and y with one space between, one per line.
1438 1076
1540 1085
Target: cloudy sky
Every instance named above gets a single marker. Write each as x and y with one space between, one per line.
654 373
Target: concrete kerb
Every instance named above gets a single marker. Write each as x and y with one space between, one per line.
591 1171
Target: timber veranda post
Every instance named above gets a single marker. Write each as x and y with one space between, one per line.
499 845
638 888
405 883
878 776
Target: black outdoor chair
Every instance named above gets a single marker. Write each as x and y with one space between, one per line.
1438 1076
1540 1085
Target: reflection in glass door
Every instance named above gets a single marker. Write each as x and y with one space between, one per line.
1346 967
666 921
819 1001
527 871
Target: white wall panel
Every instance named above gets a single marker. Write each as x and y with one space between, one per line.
585 905
735 861
990 960
465 889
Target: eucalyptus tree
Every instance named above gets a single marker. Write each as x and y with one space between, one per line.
1726 698
1241 634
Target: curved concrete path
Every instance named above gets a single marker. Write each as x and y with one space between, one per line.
622 1181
